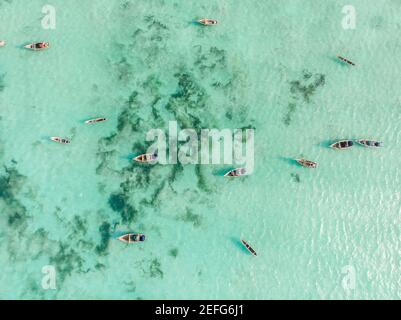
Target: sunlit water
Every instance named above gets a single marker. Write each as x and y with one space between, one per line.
268 65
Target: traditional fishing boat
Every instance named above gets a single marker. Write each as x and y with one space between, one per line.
146 158
2 43
96 120
344 144
207 22
248 246
37 46
370 143
346 60
132 237
236 173
307 163
60 140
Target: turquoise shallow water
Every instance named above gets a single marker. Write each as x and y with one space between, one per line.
267 65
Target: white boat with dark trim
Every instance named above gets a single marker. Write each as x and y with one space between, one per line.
37 46
60 140
346 60
249 248
236 172
96 120
343 144
207 22
307 163
146 158
132 237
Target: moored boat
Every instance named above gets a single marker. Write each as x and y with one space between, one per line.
132 237
249 248
307 163
236 172
343 144
2 43
96 120
346 60
207 22
146 158
370 143
37 46
60 140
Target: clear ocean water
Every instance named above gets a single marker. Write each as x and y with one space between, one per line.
269 65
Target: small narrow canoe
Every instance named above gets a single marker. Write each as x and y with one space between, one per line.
207 22
249 248
2 43
307 163
91 121
60 140
346 60
146 158
132 237
236 173
344 144
370 143
38 46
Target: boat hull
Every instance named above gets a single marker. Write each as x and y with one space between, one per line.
33 46
307 163
370 143
249 248
346 61
60 140
97 120
146 158
236 173
207 22
132 238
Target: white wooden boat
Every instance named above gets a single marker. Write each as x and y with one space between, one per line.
132 237
96 120
249 248
37 46
146 158
370 143
307 163
346 60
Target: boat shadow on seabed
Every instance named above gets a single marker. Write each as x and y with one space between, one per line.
239 245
